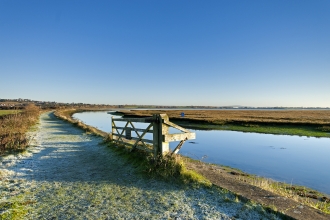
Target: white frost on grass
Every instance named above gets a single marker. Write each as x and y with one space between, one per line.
68 174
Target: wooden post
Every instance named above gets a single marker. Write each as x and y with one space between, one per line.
165 146
160 129
113 130
156 128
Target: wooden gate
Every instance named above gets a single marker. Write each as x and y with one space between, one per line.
159 125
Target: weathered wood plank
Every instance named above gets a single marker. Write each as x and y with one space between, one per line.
144 140
143 120
136 129
178 137
134 138
165 146
176 150
141 136
122 132
177 126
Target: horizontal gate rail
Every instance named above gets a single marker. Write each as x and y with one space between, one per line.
143 120
137 129
134 138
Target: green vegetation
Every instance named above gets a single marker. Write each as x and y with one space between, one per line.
15 208
169 168
165 167
300 194
66 114
8 112
281 129
172 168
13 128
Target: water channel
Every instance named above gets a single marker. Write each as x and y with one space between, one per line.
291 159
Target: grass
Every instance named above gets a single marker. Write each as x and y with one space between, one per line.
173 168
66 114
166 167
8 112
300 194
316 117
280 129
13 128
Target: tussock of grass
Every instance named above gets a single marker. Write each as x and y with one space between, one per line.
167 167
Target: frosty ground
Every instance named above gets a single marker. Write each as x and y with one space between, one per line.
67 173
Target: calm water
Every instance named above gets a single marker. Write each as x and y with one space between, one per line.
292 159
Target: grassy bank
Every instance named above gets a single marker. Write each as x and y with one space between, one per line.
66 115
8 112
175 168
167 167
303 123
280 129
301 194
13 129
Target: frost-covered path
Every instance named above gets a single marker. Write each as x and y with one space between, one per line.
67 174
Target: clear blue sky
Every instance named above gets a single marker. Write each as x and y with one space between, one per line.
230 52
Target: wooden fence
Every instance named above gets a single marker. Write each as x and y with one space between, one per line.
158 125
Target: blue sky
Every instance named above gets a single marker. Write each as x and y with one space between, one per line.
223 52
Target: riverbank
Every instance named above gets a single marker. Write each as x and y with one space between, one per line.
310 123
69 173
312 198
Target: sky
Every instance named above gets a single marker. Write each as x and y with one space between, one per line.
167 52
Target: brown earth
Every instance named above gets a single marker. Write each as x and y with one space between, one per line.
225 179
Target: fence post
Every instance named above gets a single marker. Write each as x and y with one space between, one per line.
159 130
113 130
165 146
156 128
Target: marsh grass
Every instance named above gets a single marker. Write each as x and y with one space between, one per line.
319 117
13 129
300 194
295 122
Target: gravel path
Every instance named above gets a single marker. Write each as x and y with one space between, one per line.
68 174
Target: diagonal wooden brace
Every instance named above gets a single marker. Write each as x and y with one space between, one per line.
176 150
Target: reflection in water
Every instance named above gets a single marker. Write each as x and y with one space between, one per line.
291 159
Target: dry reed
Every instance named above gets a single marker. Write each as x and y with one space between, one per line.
13 129
315 117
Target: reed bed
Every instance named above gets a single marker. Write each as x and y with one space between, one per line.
13 129
310 117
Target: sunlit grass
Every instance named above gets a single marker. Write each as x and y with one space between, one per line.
299 194
8 112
